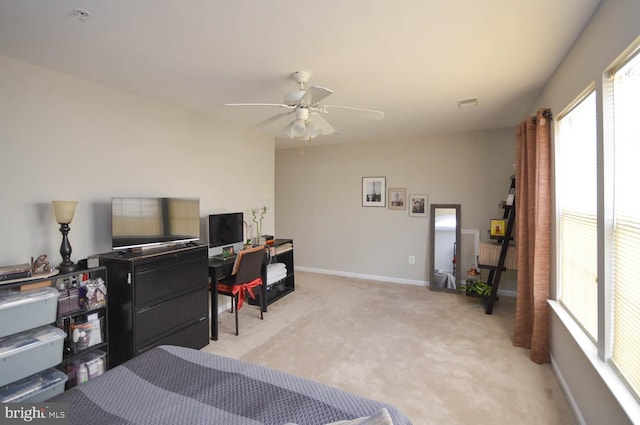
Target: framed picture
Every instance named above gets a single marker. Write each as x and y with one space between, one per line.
397 198
374 191
418 205
227 251
498 227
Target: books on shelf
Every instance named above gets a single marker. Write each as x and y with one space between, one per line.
17 271
16 275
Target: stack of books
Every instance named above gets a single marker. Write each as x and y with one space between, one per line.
18 271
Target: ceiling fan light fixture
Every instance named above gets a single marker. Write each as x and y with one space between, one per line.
297 128
304 104
313 130
287 131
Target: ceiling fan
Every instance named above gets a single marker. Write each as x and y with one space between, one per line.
306 113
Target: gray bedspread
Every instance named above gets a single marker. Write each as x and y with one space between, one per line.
176 385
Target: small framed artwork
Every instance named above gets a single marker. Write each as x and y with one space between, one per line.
397 198
418 205
374 191
227 251
498 227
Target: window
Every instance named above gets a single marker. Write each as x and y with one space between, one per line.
576 200
598 279
625 252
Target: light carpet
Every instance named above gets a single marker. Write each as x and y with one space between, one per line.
436 356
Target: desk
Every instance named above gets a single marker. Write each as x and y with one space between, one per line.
220 268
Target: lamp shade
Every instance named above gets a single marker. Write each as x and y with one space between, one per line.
297 128
64 211
313 129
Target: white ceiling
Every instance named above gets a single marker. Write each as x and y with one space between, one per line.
412 59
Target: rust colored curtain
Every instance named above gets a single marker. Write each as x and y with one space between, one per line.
533 234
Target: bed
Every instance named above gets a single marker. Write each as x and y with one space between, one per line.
177 385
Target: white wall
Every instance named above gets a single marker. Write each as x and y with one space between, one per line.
612 29
66 138
318 199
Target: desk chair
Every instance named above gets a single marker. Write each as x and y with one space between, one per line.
246 275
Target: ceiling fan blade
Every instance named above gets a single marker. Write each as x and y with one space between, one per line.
315 94
272 119
278 105
325 127
371 114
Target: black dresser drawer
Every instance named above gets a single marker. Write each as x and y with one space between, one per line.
158 280
155 321
192 336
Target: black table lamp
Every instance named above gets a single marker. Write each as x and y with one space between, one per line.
64 211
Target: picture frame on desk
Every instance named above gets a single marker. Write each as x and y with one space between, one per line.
227 251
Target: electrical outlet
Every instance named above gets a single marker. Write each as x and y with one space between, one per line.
412 259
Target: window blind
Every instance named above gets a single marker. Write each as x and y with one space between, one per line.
577 203
626 226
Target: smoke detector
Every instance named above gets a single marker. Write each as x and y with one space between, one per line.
82 14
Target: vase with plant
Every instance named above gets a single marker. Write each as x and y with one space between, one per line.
247 232
257 217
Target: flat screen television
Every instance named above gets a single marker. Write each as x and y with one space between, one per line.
226 229
141 222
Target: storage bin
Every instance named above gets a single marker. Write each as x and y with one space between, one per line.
490 254
83 335
31 351
35 388
93 294
24 310
69 301
86 367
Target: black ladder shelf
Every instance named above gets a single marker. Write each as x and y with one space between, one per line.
495 272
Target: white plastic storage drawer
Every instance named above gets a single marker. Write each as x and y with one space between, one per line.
24 310
30 352
35 388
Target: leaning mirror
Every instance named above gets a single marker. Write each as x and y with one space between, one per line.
444 248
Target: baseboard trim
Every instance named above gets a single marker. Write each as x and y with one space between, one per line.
605 370
577 414
390 279
363 276
507 293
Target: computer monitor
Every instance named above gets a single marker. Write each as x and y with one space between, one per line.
226 229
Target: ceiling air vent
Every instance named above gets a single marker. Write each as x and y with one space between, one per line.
468 103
